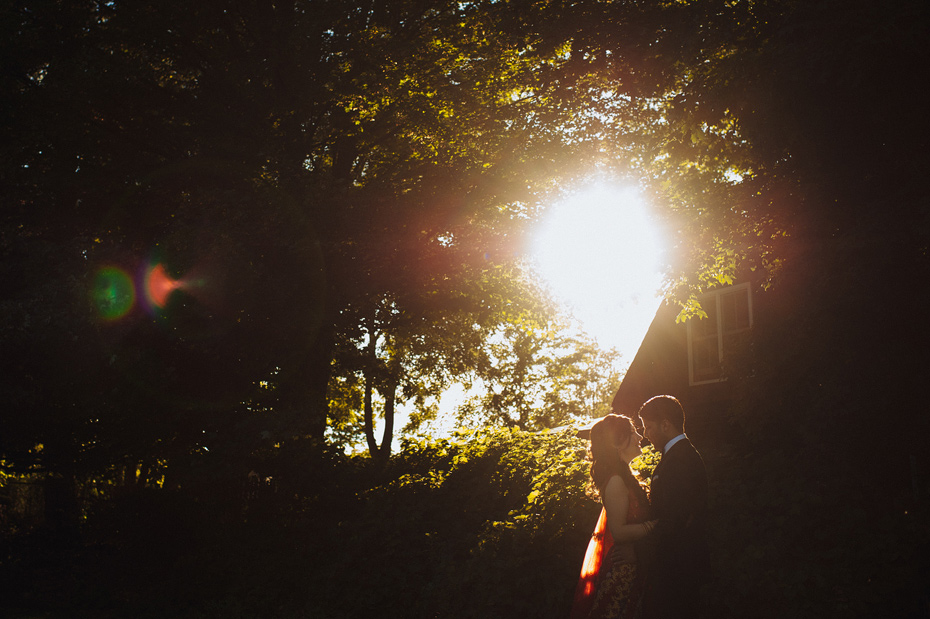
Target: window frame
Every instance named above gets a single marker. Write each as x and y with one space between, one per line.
718 307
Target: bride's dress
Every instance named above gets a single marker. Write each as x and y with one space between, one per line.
609 586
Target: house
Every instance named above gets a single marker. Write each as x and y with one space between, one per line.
688 359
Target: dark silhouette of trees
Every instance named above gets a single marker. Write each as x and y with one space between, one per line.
312 176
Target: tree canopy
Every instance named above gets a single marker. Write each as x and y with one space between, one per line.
318 179
305 177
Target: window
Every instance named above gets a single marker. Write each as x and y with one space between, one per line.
729 317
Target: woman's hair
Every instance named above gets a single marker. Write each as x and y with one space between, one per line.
607 436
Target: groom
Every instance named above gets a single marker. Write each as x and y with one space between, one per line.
679 502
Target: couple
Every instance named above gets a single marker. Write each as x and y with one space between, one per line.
645 560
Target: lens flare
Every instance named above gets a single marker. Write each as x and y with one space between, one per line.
159 285
113 293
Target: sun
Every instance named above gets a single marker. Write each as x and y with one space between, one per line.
600 252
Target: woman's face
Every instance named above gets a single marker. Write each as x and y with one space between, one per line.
632 448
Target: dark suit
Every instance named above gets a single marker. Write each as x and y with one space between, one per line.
680 563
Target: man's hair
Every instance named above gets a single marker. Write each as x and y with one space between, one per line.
664 407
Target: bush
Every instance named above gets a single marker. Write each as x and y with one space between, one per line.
491 526
494 524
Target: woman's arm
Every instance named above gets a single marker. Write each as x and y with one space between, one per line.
616 500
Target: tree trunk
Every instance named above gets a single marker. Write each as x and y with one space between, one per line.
369 414
388 437
303 389
320 371
382 452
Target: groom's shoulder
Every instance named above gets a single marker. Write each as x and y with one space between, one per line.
682 451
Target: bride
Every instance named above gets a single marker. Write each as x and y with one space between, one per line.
611 585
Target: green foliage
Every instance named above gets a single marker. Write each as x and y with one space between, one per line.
313 168
490 524
539 375
478 517
646 463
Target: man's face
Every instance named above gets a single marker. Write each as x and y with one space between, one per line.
655 433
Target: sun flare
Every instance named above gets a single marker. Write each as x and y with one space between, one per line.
600 252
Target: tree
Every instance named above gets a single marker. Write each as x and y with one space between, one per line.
295 166
539 375
413 357
765 127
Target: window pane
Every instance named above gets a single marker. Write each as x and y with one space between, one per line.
734 309
706 358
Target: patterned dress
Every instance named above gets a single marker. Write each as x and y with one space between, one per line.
610 587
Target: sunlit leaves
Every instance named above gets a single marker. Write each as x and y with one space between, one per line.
541 376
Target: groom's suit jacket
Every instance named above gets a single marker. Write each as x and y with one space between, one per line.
678 500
